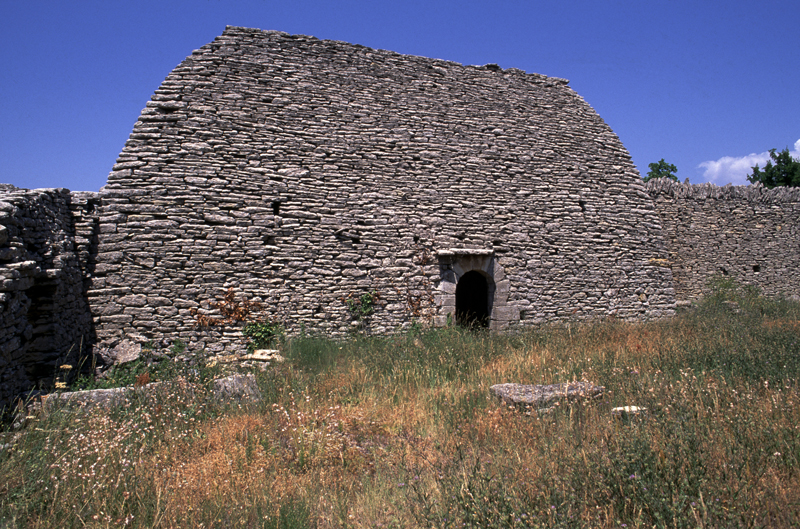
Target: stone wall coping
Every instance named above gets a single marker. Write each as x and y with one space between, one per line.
753 193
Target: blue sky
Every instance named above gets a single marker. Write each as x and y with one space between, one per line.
710 86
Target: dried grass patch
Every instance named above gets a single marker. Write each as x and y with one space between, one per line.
402 432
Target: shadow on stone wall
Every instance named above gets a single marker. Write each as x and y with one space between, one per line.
48 243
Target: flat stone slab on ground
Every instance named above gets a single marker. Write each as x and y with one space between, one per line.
90 397
545 396
234 387
265 355
259 355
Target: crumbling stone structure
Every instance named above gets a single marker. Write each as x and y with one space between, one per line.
307 176
45 247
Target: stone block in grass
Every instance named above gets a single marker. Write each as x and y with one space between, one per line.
544 398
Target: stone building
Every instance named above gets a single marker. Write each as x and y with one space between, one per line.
334 187
47 241
301 172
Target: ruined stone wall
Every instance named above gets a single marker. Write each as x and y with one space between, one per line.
748 233
299 172
46 239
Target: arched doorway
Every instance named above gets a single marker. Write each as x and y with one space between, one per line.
454 265
472 300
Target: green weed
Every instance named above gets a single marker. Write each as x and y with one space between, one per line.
262 334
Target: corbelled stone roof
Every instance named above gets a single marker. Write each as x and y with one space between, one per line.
305 172
263 100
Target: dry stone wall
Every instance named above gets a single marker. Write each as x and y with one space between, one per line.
302 172
46 243
748 233
300 175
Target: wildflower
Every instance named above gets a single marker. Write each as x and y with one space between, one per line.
65 367
61 385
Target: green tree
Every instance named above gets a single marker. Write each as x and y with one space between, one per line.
661 169
784 172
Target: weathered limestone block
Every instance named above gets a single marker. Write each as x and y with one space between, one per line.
234 388
265 355
125 351
96 397
545 397
242 388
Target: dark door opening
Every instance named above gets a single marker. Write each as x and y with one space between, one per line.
41 356
472 300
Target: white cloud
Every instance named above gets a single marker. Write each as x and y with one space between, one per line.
729 169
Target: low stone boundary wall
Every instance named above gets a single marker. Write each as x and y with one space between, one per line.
748 233
53 291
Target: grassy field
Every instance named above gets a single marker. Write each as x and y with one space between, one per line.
402 432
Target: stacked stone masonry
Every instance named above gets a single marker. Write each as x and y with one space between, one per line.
46 243
749 234
302 174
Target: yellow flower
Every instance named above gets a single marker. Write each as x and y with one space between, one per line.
65 367
61 385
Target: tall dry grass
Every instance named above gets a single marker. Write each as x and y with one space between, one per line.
401 432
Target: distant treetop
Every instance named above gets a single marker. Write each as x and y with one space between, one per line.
661 169
784 172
